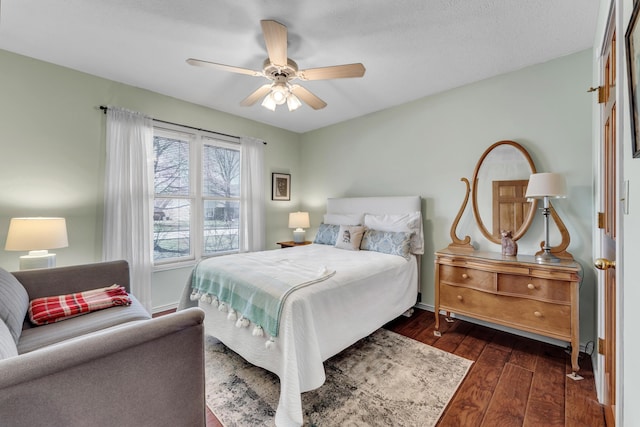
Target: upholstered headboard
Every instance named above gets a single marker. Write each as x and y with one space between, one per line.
374 205
391 206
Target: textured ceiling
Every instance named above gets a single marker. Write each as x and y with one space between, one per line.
410 48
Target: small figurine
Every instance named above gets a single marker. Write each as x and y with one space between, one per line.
509 246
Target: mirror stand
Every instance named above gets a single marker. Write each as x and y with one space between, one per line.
457 243
561 250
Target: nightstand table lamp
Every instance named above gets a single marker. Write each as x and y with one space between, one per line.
37 235
545 186
299 221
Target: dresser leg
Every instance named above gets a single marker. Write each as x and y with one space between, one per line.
574 376
575 350
437 326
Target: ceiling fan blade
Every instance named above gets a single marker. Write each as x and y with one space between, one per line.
256 95
275 38
240 70
309 98
333 72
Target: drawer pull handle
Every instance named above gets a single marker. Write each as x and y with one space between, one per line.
537 314
460 297
531 286
465 276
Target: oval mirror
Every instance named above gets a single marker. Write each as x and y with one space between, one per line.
499 184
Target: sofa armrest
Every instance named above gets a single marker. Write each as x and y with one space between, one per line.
148 372
77 278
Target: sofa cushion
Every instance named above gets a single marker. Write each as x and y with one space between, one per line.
14 303
7 344
41 336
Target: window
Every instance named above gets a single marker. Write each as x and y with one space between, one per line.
197 195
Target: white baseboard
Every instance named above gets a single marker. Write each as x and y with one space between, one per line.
167 307
525 334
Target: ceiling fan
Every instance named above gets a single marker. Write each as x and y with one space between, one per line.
281 71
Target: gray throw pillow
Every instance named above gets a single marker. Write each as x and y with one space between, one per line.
7 345
14 303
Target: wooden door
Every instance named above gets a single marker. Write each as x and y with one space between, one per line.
510 207
607 221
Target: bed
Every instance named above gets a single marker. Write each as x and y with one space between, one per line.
336 295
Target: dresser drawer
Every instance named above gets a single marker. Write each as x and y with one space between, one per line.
533 287
527 314
468 277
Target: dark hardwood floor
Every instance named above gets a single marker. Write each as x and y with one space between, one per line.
514 381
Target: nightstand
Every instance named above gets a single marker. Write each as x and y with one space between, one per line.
291 243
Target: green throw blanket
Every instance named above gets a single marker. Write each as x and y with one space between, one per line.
252 287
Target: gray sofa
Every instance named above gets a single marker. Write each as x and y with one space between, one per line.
113 367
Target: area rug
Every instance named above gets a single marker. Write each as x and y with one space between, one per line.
385 379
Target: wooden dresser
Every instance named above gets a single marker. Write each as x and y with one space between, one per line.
515 291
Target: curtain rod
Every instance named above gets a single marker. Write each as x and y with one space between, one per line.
105 108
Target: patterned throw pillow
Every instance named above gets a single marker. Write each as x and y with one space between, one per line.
327 234
409 222
349 237
387 242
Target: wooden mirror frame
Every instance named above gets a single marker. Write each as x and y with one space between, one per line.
473 189
517 234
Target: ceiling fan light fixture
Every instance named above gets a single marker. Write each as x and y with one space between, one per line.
293 102
279 92
280 70
269 103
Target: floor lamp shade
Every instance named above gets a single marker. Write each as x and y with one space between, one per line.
299 221
37 235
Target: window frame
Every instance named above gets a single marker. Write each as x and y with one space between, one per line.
197 139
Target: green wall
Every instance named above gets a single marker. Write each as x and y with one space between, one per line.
424 148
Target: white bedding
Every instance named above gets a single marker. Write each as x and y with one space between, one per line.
368 290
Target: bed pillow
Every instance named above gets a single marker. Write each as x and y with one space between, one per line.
387 242
343 218
327 234
409 223
349 237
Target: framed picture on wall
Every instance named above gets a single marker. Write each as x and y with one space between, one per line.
280 186
632 38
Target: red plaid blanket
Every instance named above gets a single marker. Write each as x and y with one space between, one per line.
53 309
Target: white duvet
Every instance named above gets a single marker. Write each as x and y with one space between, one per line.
367 290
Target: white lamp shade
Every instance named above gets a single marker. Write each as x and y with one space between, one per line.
29 234
546 184
299 220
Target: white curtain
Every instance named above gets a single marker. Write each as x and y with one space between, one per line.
129 197
252 210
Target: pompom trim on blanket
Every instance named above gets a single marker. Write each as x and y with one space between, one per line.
233 315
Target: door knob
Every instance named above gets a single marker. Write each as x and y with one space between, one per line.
604 264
